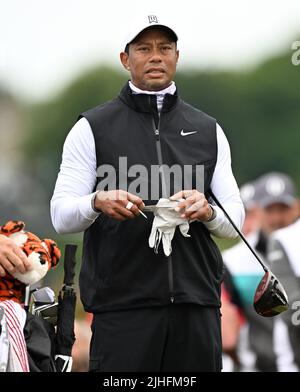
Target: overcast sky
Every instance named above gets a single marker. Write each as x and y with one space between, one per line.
44 44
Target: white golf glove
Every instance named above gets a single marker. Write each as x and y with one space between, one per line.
166 219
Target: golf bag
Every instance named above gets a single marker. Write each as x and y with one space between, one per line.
49 327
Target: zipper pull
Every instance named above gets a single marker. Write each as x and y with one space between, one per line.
157 134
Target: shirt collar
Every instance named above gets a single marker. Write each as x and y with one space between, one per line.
168 90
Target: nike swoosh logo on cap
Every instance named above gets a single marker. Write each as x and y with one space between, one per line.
183 133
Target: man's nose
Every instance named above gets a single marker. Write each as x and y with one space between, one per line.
155 55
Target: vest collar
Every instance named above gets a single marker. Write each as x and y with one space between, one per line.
145 102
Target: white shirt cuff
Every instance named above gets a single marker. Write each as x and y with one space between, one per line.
220 227
215 223
85 207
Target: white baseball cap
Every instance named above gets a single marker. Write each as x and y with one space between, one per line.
138 25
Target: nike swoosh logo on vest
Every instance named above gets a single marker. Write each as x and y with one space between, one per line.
183 133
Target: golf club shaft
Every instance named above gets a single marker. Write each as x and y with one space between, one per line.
265 268
27 298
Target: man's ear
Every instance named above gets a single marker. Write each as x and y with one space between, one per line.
177 56
125 60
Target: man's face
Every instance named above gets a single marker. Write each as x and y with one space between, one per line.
151 60
278 215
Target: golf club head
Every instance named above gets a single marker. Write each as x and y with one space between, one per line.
270 298
43 296
47 312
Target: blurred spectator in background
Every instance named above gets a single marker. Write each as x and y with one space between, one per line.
245 275
277 197
283 256
80 351
270 204
232 321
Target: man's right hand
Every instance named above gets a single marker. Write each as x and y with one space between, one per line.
11 257
113 204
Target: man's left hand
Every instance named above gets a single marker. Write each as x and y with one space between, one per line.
194 206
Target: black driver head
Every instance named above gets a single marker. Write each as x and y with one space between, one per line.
270 298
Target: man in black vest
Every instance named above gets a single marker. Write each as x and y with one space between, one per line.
151 312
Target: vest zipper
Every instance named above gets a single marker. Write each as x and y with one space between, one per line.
159 156
171 283
164 193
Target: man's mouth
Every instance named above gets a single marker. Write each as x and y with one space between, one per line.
155 71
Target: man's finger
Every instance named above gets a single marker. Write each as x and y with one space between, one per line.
195 206
131 210
17 263
8 265
183 194
191 200
194 215
177 196
136 200
118 216
2 271
134 210
183 205
24 259
128 210
198 211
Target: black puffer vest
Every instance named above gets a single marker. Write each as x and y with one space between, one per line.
119 270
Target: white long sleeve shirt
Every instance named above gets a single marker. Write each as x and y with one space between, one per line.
71 209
